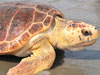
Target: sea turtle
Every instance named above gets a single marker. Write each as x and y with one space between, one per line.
35 29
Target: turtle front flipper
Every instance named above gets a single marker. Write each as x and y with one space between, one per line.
42 58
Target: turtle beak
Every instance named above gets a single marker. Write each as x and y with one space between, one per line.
94 35
92 39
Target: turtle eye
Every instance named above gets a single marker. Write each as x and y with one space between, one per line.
86 32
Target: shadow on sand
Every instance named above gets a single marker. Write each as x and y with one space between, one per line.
10 58
59 58
80 55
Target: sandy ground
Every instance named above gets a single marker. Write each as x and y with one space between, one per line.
86 62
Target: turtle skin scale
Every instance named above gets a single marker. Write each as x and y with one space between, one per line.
21 21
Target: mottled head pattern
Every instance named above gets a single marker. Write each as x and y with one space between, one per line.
80 34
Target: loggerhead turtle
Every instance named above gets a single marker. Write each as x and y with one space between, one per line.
35 29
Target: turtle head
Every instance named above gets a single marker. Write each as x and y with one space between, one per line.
80 34
75 35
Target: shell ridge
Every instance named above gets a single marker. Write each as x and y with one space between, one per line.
21 23
11 23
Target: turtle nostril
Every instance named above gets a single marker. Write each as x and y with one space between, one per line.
86 33
95 28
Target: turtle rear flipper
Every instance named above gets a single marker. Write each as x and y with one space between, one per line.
41 59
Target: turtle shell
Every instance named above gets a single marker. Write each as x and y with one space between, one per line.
19 21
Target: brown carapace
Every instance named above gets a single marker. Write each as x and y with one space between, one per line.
20 21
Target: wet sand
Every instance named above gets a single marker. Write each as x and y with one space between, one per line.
86 62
